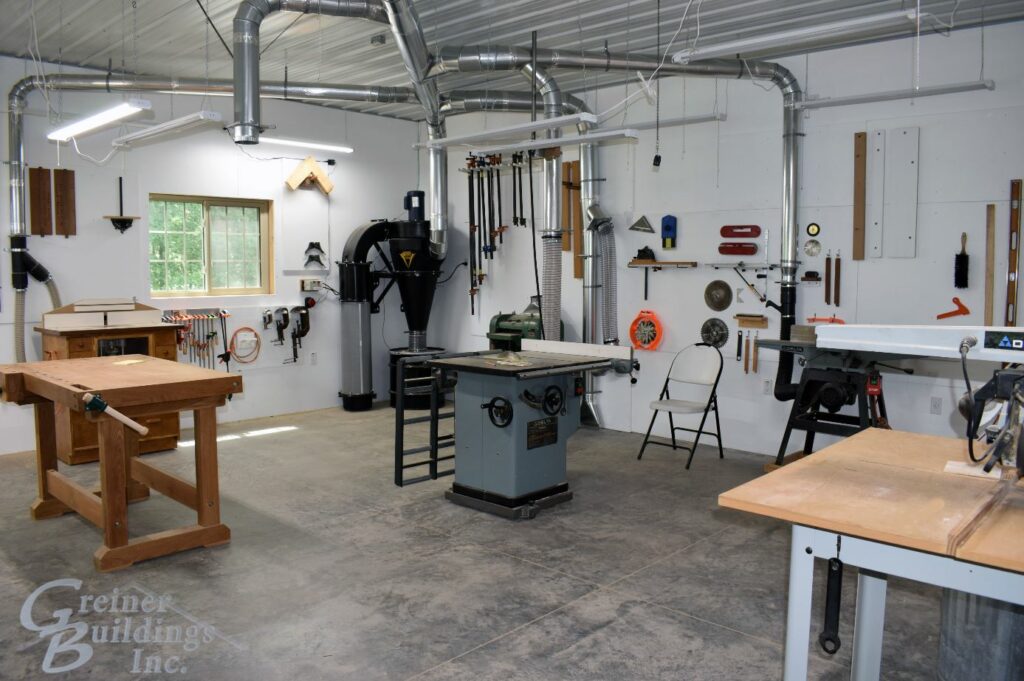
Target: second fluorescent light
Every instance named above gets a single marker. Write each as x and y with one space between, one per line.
99 120
306 145
800 37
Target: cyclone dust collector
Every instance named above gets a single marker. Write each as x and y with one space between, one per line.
406 261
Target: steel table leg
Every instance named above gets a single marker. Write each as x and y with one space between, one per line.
868 625
798 612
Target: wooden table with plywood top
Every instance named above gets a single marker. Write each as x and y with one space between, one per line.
882 500
137 386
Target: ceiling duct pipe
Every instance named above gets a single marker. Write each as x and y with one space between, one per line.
247 125
405 27
23 264
551 233
408 33
496 58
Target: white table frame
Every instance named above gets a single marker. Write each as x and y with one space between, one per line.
875 561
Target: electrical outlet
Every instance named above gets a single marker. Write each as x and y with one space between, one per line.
309 285
312 358
936 407
767 387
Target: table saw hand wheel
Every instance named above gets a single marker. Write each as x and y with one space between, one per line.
554 400
499 411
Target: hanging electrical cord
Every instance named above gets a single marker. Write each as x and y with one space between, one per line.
249 357
965 346
657 100
452 273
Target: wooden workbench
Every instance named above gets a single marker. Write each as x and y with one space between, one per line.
137 386
889 486
881 500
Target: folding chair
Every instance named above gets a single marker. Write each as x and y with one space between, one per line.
696 365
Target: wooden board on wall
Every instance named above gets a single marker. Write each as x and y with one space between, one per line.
64 201
577 226
990 262
1013 263
40 202
899 214
860 178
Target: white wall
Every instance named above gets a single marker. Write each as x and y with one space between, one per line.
100 262
730 173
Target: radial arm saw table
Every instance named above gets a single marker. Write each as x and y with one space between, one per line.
136 386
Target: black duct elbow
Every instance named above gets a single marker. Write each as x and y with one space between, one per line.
24 265
785 389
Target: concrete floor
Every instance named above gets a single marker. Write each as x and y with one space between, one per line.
335 573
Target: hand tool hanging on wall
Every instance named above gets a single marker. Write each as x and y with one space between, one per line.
740 231
642 225
753 362
714 332
669 231
960 311
472 238
746 354
491 227
502 227
1013 262
739 346
300 315
829 637
522 206
515 201
740 248
961 263
835 285
828 278
281 322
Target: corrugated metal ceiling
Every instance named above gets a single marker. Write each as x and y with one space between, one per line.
171 37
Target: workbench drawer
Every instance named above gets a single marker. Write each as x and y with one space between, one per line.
82 345
166 352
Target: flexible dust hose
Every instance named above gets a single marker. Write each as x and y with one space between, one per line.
609 286
51 288
19 326
551 285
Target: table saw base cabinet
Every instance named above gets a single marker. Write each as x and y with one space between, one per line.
515 469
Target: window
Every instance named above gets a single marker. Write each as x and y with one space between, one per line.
201 246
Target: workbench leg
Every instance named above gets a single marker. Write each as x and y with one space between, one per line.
798 612
46 505
868 625
207 493
114 445
134 490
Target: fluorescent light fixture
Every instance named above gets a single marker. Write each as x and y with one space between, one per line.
890 95
306 145
598 136
192 120
682 120
797 37
98 120
495 134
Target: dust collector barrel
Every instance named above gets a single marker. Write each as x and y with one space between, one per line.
417 395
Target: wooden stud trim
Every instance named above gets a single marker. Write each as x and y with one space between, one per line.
860 181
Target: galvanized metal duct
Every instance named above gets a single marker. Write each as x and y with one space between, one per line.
250 15
23 264
405 27
484 58
551 234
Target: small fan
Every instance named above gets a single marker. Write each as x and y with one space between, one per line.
714 332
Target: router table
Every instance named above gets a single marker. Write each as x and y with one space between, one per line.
136 386
881 500
514 413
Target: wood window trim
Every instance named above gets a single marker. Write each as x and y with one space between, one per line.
266 212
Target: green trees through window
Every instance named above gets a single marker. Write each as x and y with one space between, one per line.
206 246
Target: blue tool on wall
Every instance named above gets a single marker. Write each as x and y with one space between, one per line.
668 231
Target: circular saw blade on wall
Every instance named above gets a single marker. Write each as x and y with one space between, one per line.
718 295
646 332
714 332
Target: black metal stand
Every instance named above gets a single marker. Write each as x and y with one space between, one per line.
808 414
